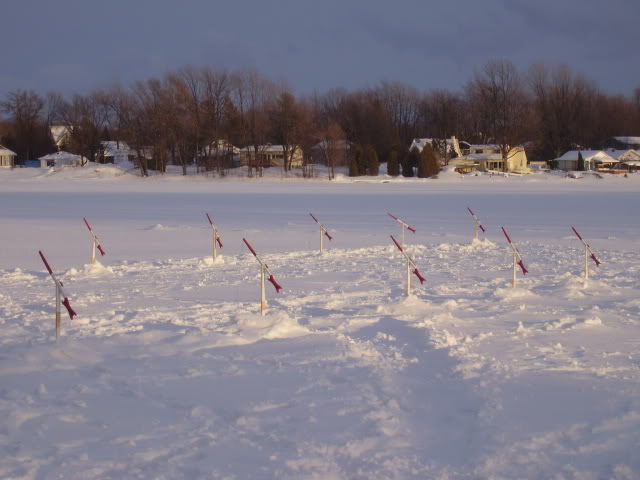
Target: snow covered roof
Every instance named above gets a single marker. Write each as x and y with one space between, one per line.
112 147
587 155
488 146
6 151
63 158
628 140
59 132
341 144
270 148
623 154
419 143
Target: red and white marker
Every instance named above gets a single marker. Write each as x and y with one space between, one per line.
94 242
477 227
403 226
264 270
410 265
517 259
323 233
216 238
59 296
587 251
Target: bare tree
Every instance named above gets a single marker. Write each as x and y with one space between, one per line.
30 130
499 92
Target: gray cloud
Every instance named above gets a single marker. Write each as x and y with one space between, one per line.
77 45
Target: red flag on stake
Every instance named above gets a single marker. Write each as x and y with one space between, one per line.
411 267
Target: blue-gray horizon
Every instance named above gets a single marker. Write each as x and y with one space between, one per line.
74 46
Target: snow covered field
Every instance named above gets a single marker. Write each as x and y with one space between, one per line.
169 371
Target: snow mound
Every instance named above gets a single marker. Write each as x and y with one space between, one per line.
19 275
91 270
410 305
270 326
514 293
209 261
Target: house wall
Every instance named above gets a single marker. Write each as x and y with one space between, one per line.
6 161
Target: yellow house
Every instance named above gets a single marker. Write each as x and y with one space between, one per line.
487 158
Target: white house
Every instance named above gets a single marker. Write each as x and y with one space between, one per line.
7 158
59 159
270 156
592 159
117 152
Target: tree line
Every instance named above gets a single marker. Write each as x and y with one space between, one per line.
182 116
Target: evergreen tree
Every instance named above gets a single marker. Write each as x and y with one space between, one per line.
393 164
371 161
580 162
354 171
431 161
410 162
358 155
422 161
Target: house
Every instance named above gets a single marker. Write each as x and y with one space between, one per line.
270 156
623 143
116 152
487 158
339 151
61 159
7 158
593 159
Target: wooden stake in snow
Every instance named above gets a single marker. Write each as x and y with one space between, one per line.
323 232
410 265
59 295
264 270
403 226
587 251
517 259
216 238
477 227
94 242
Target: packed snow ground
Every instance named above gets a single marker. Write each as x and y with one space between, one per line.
169 371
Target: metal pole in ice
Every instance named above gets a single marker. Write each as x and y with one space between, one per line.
477 226
215 238
517 259
94 242
587 251
323 233
403 226
410 264
59 295
264 271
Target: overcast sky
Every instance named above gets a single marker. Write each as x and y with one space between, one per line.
76 45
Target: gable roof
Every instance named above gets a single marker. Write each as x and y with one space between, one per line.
587 155
6 151
622 155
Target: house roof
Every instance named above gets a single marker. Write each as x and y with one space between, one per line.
64 157
341 144
623 154
419 143
6 151
587 155
628 140
112 147
58 132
